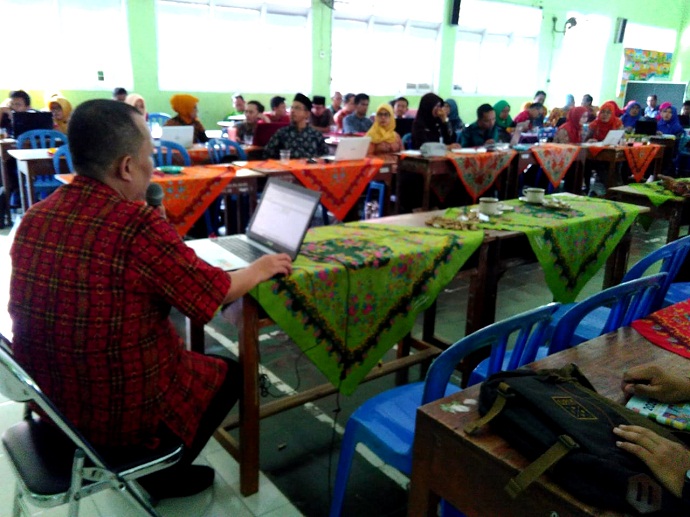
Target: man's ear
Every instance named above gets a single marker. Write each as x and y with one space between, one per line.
124 169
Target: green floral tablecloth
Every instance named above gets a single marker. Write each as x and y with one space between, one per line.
656 192
571 245
357 289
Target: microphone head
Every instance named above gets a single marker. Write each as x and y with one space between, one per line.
154 194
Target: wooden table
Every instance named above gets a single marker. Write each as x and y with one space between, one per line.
613 155
31 163
671 210
8 180
471 471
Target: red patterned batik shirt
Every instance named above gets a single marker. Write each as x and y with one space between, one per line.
93 281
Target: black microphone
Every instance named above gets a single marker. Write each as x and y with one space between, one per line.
154 195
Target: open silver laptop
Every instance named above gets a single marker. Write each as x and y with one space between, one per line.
278 226
183 135
351 148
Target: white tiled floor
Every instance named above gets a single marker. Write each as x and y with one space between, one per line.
221 500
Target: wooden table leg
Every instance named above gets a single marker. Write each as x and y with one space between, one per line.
249 401
426 196
674 219
422 501
21 175
617 263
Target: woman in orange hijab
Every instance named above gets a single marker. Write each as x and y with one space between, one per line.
384 139
185 106
606 121
61 109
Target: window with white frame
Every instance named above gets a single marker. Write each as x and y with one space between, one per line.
497 55
386 47
647 37
66 44
234 45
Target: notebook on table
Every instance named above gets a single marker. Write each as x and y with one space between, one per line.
29 120
351 148
183 135
278 226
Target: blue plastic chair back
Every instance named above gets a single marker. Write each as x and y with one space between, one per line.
158 118
530 329
627 302
672 256
407 140
163 153
219 148
41 139
386 422
63 150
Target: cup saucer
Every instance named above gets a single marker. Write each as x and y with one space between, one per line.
525 200
476 211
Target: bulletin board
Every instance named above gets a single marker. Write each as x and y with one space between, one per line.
643 65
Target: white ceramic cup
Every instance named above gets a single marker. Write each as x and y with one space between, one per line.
285 155
533 194
489 205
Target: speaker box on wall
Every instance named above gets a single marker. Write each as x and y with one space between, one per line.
455 14
620 30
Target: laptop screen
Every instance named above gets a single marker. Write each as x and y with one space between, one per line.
645 127
30 120
283 216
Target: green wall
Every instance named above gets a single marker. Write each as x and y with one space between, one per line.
213 106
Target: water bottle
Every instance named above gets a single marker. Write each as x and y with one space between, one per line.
156 134
585 131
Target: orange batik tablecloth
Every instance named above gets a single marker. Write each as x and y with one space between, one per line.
340 183
478 171
188 193
555 160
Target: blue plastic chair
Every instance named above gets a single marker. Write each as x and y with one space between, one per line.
158 118
161 158
219 148
63 150
380 188
407 140
386 422
41 139
626 303
671 256
45 184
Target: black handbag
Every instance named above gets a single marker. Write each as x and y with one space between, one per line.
558 421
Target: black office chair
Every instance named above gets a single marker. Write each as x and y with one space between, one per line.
56 465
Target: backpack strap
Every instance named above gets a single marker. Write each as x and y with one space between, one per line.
502 396
524 479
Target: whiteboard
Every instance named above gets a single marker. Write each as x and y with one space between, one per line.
665 92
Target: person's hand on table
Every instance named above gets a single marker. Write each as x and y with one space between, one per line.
667 460
651 381
454 145
490 141
243 280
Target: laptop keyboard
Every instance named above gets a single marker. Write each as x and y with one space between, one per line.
242 249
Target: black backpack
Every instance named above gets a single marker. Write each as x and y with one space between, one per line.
558 421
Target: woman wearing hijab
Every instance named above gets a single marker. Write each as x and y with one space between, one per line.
136 100
571 131
185 106
633 113
431 123
606 121
503 120
61 110
384 139
668 123
451 110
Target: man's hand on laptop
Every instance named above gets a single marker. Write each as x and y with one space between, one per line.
258 271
